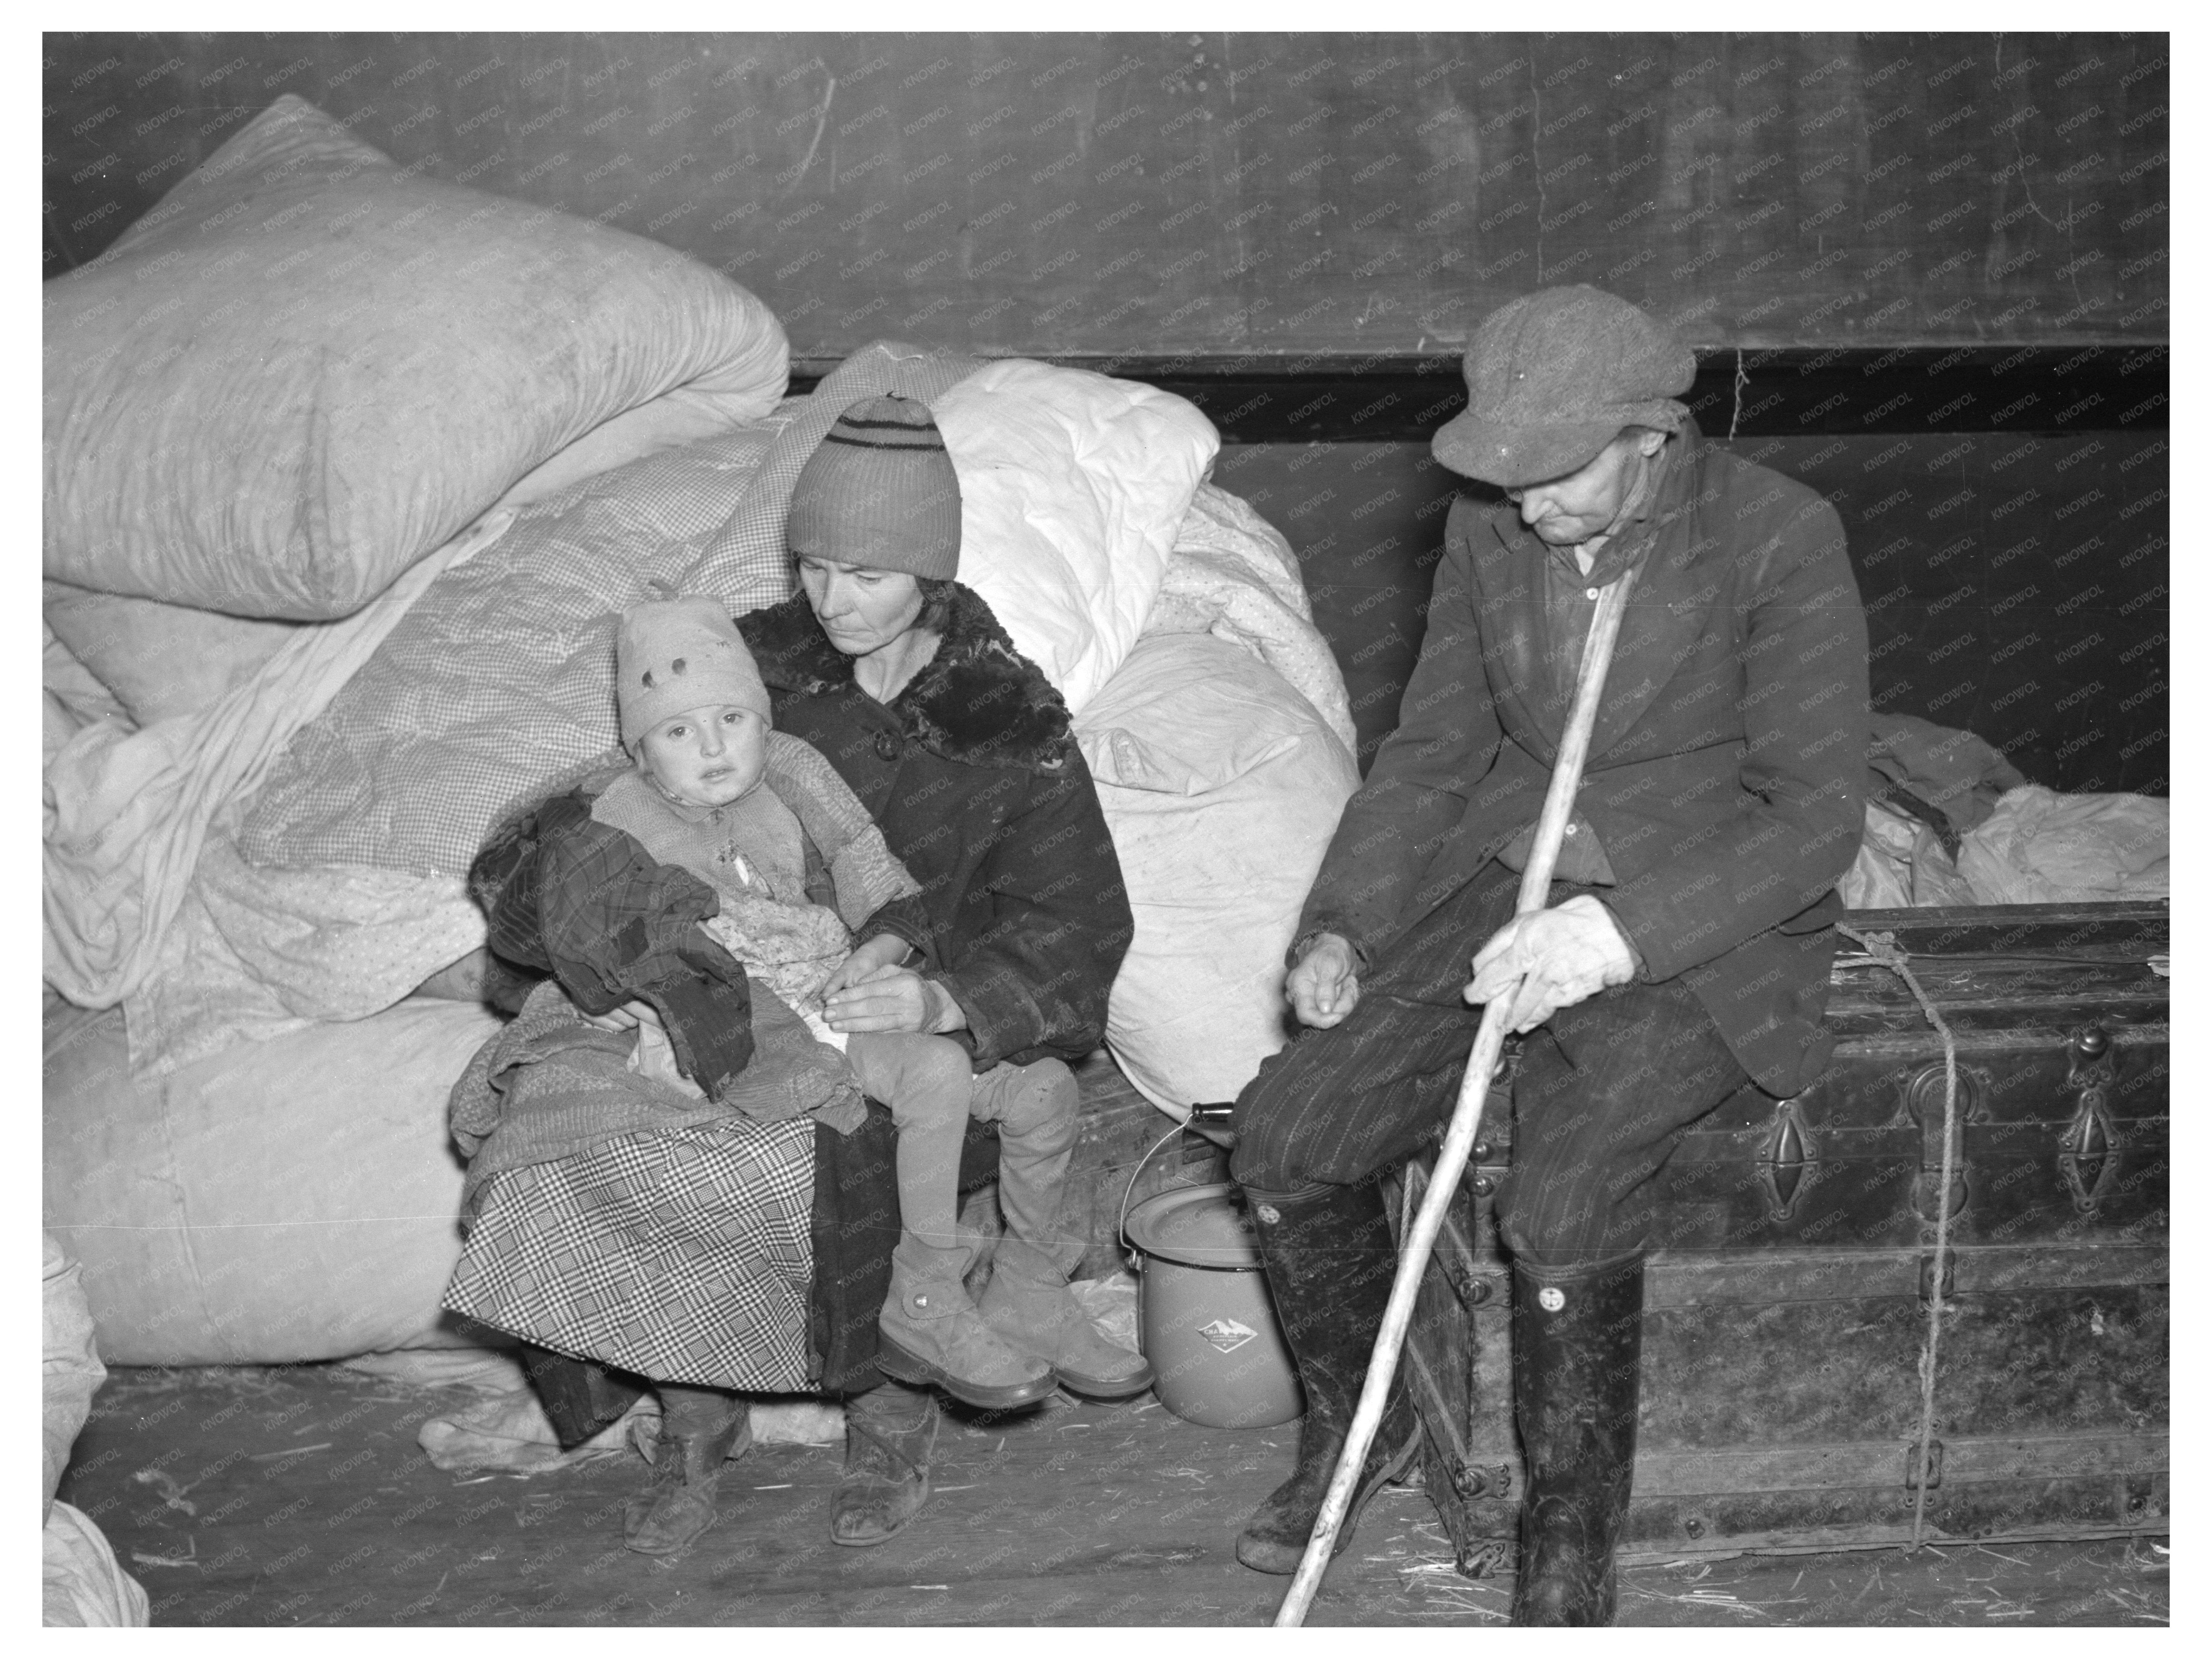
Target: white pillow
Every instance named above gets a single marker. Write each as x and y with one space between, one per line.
1221 786
1073 486
306 367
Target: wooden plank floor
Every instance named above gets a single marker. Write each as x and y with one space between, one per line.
299 1496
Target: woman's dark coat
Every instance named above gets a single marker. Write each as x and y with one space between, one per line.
976 782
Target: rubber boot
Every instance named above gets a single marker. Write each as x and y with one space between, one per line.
699 1429
890 1432
1578 1342
1330 1261
1028 1302
930 1334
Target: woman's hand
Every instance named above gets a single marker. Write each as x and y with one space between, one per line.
884 951
893 999
627 1017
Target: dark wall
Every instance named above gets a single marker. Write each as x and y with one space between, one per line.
1071 195
2014 585
1900 235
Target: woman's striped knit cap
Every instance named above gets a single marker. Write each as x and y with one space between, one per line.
880 491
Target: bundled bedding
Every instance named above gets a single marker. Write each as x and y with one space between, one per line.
1950 821
254 899
307 366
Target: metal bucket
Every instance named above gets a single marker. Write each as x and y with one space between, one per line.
1203 1312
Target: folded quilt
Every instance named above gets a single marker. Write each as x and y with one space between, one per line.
1232 574
254 954
127 813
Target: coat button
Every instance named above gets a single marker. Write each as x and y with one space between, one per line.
887 744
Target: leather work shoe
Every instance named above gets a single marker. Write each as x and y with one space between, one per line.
1330 1260
1028 1303
890 1432
700 1429
930 1334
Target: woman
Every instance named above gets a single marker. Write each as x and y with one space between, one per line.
960 751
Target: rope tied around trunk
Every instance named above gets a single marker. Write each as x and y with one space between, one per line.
1884 950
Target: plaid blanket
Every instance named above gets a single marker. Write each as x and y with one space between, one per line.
684 1256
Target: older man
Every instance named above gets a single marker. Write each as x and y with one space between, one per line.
1688 942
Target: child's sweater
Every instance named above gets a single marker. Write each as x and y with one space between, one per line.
769 872
753 846
753 854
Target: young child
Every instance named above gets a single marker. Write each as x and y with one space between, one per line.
703 795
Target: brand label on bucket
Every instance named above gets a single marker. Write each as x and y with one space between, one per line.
1227 1334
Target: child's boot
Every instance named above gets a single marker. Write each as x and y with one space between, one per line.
1028 1303
931 1333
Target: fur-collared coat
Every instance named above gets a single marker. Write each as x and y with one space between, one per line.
973 777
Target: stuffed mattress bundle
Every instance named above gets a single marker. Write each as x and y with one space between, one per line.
373 610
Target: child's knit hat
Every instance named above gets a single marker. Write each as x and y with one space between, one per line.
675 655
880 491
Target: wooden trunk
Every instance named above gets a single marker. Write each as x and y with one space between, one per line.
1786 1307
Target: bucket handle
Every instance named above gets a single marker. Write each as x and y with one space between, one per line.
1121 1227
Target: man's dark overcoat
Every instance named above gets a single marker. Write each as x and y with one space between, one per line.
1726 772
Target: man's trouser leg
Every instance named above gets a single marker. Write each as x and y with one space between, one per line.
1605 1090
1338 1105
1315 1129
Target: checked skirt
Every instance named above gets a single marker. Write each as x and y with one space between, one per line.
683 1255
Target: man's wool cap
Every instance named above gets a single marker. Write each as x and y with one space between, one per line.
880 491
1553 376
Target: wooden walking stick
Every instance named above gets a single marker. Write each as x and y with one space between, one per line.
1451 1159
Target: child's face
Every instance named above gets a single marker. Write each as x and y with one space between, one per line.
706 756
